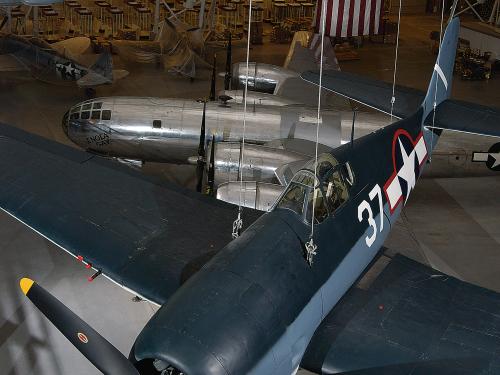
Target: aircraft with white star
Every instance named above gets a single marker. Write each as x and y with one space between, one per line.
59 63
279 296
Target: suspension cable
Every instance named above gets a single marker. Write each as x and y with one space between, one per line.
238 223
311 247
436 85
393 97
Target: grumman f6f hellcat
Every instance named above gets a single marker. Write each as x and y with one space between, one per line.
262 304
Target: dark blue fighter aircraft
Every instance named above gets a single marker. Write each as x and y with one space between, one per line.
264 303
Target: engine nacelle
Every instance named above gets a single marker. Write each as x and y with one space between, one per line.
261 77
259 162
257 195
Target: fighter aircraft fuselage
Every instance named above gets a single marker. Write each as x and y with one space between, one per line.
259 299
42 61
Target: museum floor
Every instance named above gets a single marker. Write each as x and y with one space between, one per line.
451 224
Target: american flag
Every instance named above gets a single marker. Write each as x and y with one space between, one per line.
345 18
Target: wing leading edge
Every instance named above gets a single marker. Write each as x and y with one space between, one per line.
146 235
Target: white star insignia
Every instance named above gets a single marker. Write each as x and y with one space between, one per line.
497 159
407 171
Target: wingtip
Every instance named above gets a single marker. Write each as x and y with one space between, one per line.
26 284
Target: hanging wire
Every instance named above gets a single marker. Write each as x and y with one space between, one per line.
311 247
393 97
436 85
238 223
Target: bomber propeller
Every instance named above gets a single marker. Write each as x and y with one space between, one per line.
213 94
200 163
211 170
228 77
100 352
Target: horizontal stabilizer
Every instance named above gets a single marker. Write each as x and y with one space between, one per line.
466 117
450 114
411 319
92 79
370 92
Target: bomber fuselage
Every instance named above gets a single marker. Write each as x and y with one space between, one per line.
168 130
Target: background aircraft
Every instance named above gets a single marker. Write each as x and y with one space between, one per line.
57 63
257 306
183 131
278 139
177 48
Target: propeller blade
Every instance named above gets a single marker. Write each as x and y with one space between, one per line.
227 77
91 344
200 164
211 169
214 77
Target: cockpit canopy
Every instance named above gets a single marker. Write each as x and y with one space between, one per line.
330 184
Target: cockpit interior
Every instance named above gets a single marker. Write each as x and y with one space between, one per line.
326 190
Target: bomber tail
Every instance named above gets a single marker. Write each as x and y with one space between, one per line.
440 85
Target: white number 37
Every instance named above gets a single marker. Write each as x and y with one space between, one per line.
365 206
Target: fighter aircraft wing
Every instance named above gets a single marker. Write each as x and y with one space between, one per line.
411 319
9 63
148 236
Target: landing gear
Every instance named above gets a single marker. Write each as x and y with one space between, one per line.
90 93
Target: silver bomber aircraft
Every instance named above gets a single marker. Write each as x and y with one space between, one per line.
171 131
278 140
279 296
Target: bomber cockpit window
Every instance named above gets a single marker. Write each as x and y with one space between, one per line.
106 114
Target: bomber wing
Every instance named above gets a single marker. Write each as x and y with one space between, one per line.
450 114
146 235
370 92
410 320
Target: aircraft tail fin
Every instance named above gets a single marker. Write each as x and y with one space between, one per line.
104 66
440 85
305 53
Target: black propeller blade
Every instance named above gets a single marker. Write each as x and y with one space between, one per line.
228 76
91 344
214 77
200 164
211 170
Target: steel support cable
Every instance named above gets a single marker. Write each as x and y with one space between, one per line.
436 84
311 247
393 97
238 223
